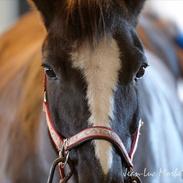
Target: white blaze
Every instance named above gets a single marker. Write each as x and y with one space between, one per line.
100 66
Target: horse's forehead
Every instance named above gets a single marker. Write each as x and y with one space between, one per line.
100 66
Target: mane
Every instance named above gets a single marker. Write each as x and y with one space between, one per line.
88 19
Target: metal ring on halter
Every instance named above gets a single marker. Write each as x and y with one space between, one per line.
63 164
56 162
53 167
64 154
62 160
62 150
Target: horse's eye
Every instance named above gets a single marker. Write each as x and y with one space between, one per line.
141 71
49 72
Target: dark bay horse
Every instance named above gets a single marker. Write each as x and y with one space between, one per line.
93 79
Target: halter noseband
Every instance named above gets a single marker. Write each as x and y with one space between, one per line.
65 145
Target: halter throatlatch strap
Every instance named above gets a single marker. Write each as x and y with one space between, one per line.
63 146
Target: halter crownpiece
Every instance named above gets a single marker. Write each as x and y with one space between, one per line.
65 145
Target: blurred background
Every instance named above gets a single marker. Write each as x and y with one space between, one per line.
11 10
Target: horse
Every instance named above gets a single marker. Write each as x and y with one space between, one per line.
92 79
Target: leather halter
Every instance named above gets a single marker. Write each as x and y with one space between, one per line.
65 145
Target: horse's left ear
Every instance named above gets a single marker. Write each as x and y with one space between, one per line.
46 8
134 8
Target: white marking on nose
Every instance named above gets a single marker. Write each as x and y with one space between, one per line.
100 66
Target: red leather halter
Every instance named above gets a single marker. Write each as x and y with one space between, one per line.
64 146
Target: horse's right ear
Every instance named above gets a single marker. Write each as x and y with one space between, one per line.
46 8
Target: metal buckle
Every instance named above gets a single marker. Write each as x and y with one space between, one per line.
45 97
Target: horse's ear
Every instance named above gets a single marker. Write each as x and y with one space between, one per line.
134 7
46 8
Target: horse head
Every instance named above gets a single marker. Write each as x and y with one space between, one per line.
93 59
